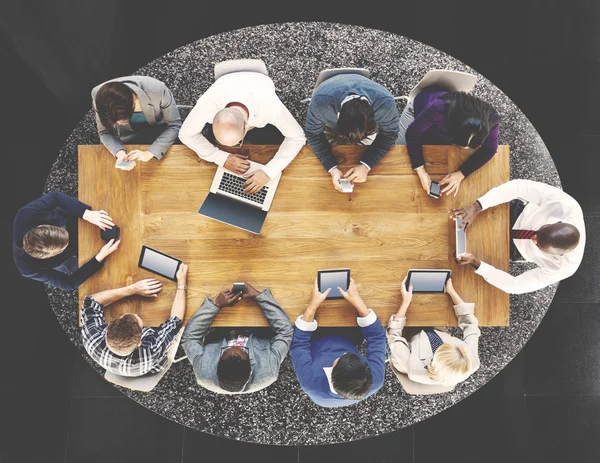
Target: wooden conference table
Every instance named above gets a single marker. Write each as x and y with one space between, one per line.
385 227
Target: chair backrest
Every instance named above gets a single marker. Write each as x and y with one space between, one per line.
329 73
240 65
147 382
449 80
414 388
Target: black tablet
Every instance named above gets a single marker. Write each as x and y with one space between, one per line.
427 280
332 279
159 263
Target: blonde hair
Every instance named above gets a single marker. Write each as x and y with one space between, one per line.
45 241
450 365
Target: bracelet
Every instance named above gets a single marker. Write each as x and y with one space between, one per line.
184 287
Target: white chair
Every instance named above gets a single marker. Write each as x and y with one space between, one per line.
147 382
452 81
329 73
240 65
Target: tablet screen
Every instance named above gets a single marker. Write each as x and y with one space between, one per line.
333 279
159 263
461 239
428 282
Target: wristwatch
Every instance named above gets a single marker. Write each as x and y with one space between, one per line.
184 287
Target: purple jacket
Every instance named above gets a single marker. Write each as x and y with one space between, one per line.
429 128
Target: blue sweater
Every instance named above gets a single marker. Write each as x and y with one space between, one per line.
309 359
325 105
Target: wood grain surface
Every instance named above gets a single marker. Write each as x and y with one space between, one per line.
385 227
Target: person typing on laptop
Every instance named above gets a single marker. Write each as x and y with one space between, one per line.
548 231
240 361
236 104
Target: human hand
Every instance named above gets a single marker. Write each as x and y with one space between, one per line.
182 274
468 258
357 174
452 292
147 288
98 218
255 181
227 298
407 294
143 156
336 175
424 178
237 163
122 157
453 181
467 214
250 292
352 296
107 250
317 297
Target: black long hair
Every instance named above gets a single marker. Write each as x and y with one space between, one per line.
467 115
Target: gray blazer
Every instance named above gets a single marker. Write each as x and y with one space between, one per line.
158 106
265 354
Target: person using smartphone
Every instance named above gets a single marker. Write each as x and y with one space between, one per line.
430 360
45 240
136 109
239 361
439 117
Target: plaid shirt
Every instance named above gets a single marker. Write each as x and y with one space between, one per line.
149 357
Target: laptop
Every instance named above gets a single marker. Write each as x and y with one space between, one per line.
227 202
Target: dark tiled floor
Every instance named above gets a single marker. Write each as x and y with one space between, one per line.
543 407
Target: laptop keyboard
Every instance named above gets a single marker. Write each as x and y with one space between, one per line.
232 184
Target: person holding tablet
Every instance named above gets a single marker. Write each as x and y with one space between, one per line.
351 109
431 361
45 240
330 369
135 109
240 362
549 231
125 347
438 117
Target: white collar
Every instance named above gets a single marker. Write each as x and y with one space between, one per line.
328 371
352 97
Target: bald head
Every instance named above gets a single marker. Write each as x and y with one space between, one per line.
228 126
557 238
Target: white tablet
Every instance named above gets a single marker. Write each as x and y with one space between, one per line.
428 280
461 238
159 263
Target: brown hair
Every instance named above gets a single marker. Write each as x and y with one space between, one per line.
123 335
45 241
114 102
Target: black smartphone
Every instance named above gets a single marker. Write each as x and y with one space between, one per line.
238 288
110 233
434 189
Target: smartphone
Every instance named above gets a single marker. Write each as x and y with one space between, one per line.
434 189
347 186
461 239
238 288
125 164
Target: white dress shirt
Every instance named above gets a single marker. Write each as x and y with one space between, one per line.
257 93
547 205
